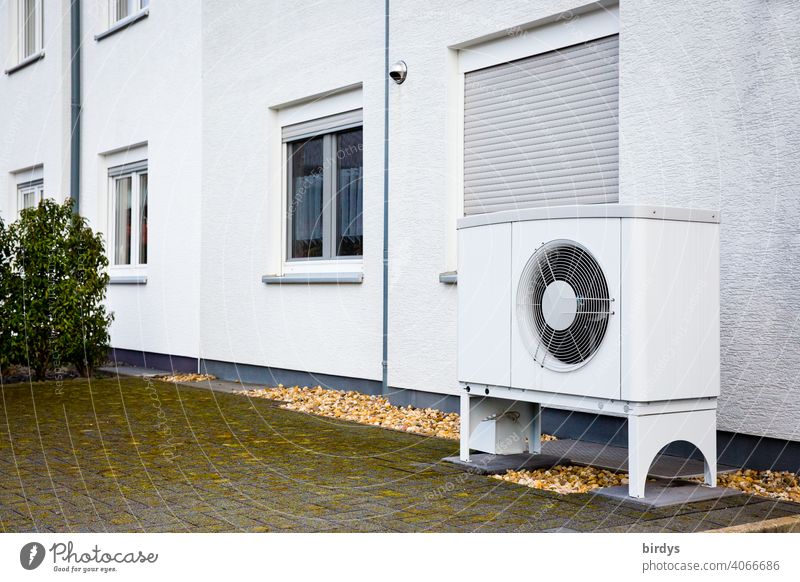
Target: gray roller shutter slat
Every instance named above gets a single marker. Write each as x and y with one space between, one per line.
547 185
545 159
575 105
543 130
517 135
582 63
557 87
488 181
551 201
574 192
545 120
593 96
567 137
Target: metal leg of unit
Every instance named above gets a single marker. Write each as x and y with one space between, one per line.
535 429
648 434
465 428
710 464
638 462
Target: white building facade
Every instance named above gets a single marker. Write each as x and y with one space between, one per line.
236 161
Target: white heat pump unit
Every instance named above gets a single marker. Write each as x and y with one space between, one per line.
606 308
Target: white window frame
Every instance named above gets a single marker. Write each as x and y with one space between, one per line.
133 8
35 187
332 128
327 104
134 171
22 30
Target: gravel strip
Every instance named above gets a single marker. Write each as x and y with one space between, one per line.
783 485
365 409
565 479
186 378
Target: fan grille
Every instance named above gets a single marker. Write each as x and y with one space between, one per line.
563 305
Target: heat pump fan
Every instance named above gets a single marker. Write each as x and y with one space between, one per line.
603 308
563 305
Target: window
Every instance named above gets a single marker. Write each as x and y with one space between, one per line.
128 189
325 187
121 9
30 194
30 28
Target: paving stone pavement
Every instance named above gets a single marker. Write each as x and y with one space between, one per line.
136 454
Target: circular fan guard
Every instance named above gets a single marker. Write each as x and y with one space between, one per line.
563 305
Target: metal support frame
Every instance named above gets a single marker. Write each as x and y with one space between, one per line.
651 425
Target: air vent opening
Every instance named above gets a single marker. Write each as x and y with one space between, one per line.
563 305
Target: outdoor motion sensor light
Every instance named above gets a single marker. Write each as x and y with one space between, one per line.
398 72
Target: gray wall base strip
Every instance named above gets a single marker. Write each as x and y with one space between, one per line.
420 399
153 360
269 376
252 374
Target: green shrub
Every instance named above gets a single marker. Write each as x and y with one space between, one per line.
9 292
57 311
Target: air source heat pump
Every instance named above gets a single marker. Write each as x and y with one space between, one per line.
606 308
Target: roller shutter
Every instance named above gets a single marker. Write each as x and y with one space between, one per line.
543 130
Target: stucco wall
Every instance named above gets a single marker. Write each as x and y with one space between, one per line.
289 52
35 110
709 118
143 85
285 51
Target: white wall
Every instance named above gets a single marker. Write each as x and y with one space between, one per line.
142 84
259 55
288 52
709 117
34 102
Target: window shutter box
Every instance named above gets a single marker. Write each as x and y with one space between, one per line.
322 125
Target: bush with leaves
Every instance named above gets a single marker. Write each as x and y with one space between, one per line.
8 294
59 266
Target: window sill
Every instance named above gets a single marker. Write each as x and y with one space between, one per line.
25 62
128 280
122 24
449 277
313 278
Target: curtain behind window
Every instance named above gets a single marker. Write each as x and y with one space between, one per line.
122 221
29 13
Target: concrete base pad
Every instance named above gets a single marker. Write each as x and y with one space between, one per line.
488 464
667 493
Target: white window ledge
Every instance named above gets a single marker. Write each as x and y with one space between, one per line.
124 23
25 62
449 277
313 278
128 280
